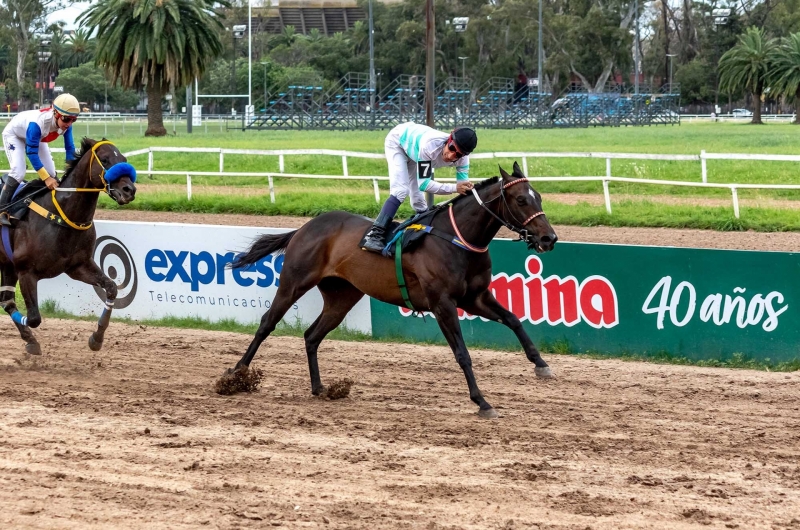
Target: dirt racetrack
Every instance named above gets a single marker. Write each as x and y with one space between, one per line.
135 437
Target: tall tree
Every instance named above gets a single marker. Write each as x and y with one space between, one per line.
785 72
80 49
154 44
747 66
23 16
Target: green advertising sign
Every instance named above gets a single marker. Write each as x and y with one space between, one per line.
697 303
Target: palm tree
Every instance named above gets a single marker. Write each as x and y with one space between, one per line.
314 35
154 44
80 49
747 66
785 71
284 38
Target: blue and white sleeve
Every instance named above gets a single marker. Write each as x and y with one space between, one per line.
69 144
32 138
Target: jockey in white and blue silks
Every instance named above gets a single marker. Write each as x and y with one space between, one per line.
413 151
25 138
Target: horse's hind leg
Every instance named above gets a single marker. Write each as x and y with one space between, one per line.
486 305
339 297
90 273
288 293
7 301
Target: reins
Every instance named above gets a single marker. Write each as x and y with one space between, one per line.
522 232
48 215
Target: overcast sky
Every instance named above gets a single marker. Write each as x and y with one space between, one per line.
68 15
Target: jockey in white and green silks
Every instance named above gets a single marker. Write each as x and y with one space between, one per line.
413 151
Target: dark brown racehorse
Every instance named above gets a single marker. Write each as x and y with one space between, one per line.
442 276
58 237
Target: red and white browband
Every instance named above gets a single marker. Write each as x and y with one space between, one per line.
532 217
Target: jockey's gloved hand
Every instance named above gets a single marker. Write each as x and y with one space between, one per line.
51 183
464 186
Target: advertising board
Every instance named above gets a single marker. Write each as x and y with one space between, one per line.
182 270
697 303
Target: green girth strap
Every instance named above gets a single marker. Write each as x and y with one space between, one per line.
398 269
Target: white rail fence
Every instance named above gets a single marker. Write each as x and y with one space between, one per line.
703 157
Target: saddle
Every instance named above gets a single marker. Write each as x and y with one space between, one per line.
23 196
411 231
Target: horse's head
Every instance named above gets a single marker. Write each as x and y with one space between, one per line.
523 210
105 168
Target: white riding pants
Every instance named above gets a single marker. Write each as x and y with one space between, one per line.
17 159
403 177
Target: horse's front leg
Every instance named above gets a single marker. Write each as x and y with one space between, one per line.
447 318
486 305
90 273
8 290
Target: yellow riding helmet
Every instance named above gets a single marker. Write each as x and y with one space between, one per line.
67 105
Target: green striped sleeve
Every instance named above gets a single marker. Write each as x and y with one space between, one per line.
462 172
424 184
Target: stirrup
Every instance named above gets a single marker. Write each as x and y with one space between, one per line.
372 245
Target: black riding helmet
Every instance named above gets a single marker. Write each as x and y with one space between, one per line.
465 139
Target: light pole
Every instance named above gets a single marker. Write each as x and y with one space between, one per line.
459 26
636 46
541 50
430 70
670 55
720 19
44 56
463 67
237 32
371 68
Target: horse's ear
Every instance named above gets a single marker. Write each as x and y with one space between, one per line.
87 144
517 170
503 173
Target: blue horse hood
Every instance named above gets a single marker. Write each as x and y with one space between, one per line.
117 171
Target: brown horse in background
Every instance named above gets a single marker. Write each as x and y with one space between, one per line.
442 276
61 238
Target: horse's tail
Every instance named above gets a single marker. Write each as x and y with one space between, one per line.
264 246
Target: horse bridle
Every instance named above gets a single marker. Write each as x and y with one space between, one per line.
106 187
524 235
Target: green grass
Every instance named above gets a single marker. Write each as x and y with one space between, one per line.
685 139
312 197
50 309
626 213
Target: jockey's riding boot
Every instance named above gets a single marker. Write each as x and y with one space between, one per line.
5 198
376 238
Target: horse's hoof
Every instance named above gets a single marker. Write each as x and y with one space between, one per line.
33 348
237 380
488 414
544 372
95 345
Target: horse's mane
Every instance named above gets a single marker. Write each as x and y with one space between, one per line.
478 187
86 147
487 182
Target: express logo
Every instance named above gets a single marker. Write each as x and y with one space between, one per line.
116 262
205 268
